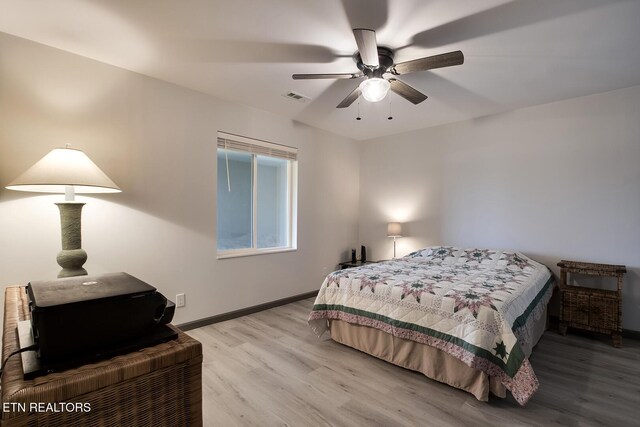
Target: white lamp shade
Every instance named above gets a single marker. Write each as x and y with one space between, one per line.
64 167
394 229
374 89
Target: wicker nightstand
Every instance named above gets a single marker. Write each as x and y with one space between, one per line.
156 386
595 310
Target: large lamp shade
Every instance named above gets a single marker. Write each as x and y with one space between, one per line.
68 171
64 167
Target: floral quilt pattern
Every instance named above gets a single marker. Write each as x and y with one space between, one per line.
469 303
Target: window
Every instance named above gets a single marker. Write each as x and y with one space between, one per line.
256 202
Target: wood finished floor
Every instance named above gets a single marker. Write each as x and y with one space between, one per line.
269 369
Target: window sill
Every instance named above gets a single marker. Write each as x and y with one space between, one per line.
252 252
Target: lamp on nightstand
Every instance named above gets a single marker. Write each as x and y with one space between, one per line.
68 171
394 229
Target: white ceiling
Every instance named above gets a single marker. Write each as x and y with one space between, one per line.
517 53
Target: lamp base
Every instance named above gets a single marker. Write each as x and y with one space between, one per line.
72 257
71 262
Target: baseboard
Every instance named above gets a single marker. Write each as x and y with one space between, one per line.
244 311
554 321
628 333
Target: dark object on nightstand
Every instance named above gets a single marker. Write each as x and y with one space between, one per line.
595 310
363 253
357 263
353 255
82 316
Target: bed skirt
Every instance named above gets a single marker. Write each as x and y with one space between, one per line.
430 361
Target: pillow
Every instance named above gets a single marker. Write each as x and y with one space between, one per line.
420 253
436 254
473 257
514 260
477 256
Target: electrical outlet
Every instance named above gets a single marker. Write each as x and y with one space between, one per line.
180 300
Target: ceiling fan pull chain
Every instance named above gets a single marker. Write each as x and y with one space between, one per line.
390 116
358 117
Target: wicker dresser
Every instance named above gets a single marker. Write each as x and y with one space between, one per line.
156 386
596 310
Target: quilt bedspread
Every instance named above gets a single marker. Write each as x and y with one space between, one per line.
474 304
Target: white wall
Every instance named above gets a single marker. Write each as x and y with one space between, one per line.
557 181
157 141
554 181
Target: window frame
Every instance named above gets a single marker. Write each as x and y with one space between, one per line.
257 148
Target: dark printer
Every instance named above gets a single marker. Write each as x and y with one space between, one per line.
77 319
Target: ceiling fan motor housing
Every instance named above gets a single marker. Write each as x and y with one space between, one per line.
385 58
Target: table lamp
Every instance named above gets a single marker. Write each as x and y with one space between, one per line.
394 229
69 171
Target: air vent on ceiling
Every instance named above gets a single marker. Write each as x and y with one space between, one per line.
296 96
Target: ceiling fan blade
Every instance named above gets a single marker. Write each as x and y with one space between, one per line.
367 46
429 63
326 76
406 91
350 98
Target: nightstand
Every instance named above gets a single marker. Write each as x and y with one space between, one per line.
351 264
595 310
155 386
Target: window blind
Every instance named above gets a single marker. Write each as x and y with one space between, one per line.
240 143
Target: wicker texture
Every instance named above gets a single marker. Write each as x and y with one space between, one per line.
595 310
156 386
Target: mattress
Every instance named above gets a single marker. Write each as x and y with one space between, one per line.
481 307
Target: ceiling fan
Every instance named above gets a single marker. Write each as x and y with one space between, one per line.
376 64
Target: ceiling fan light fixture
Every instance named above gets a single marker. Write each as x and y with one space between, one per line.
374 89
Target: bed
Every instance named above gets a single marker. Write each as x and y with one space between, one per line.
466 317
